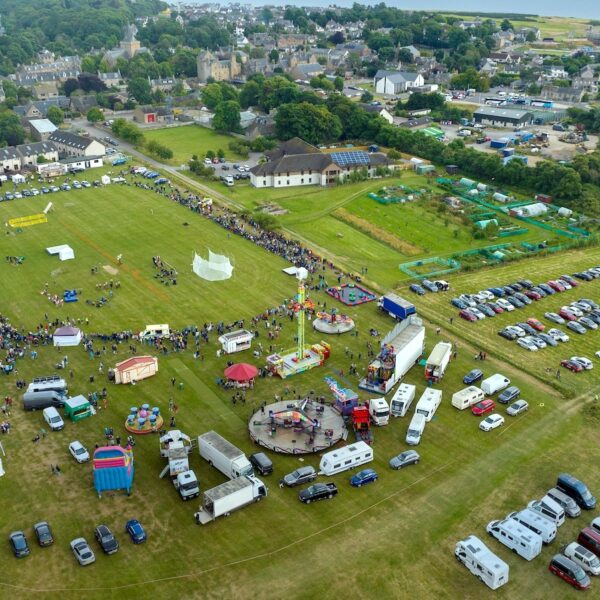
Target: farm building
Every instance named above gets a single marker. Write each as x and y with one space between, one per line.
502 117
135 369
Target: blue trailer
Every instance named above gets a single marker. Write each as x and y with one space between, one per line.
396 307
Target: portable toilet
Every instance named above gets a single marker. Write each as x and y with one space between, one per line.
78 408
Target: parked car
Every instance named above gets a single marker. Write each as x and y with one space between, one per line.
547 339
583 276
43 533
567 570
491 422
566 314
417 289
261 462
549 291
404 459
496 307
515 302
558 335
458 303
486 310
106 539
539 290
576 327
583 557
518 407
508 335
584 307
136 532
587 322
554 317
570 280
533 295
526 283
557 286
505 304
516 330
586 363
18 544
523 298
536 324
496 291
589 302
467 315
538 341
363 477
78 451
478 314
527 328
429 285
527 343
472 376
82 551
574 310
318 491
298 477
483 407
571 365
509 394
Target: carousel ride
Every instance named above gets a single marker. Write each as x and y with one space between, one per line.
143 420
333 322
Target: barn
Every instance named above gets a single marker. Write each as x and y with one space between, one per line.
502 117
135 369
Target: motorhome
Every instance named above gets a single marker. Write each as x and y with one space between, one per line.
549 509
516 537
415 429
428 403
467 397
402 399
345 458
483 563
536 522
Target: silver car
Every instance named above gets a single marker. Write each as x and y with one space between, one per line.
82 551
518 407
409 457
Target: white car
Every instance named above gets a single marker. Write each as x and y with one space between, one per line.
538 341
518 331
80 454
505 304
82 551
491 422
586 363
573 309
86 184
486 295
35 192
477 313
558 335
527 343
467 300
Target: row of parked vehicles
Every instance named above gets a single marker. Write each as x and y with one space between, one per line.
149 174
29 192
524 532
79 546
429 286
521 293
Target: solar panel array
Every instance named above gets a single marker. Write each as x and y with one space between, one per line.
346 159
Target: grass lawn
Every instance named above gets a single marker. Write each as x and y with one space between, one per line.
188 140
392 539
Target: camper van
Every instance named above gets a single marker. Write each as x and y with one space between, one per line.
516 537
428 403
41 400
53 383
483 563
467 397
545 528
549 509
345 458
494 384
402 399
53 419
415 429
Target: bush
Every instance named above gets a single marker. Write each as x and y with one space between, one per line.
159 150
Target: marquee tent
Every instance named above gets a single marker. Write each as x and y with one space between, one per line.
216 268
241 372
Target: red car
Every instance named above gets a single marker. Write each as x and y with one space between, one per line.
533 295
496 307
567 315
557 285
537 325
483 407
571 365
467 316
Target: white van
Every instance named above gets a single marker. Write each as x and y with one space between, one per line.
428 403
494 384
483 563
550 509
516 537
402 399
228 181
567 503
587 560
467 397
538 524
53 419
415 429
345 458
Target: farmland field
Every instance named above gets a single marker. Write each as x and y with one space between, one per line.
391 539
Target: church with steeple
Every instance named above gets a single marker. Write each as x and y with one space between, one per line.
128 47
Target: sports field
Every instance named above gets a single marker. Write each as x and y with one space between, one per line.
392 539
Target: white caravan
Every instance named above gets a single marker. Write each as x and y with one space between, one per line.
483 563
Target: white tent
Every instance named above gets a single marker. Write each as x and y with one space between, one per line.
67 336
64 252
216 268
105 179
18 178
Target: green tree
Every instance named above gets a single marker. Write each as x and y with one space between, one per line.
212 95
139 88
128 131
56 115
94 115
159 150
249 94
338 84
506 25
366 97
274 56
227 116
11 130
310 122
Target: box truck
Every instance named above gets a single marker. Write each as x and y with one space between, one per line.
229 496
223 455
467 397
174 447
438 360
402 399
428 403
345 458
396 306
379 411
483 563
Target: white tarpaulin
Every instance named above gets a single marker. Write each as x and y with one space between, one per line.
64 252
216 268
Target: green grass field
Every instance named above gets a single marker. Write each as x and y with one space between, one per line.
185 141
392 539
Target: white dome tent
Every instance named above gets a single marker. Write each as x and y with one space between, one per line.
217 268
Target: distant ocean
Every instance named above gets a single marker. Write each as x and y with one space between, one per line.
573 8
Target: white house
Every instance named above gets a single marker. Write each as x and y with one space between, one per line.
396 82
69 144
10 160
31 152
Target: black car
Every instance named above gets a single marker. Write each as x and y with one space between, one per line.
539 290
516 286
508 291
508 335
488 311
528 328
523 298
108 542
526 283
417 289
458 303
262 463
515 302
549 291
18 544
318 491
43 533
583 276
299 476
509 394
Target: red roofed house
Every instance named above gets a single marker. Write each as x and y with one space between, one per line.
135 369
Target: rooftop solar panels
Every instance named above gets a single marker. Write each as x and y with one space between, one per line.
346 159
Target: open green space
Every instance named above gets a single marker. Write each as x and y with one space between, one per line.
185 141
379 540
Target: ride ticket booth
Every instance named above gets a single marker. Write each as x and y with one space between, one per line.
236 341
